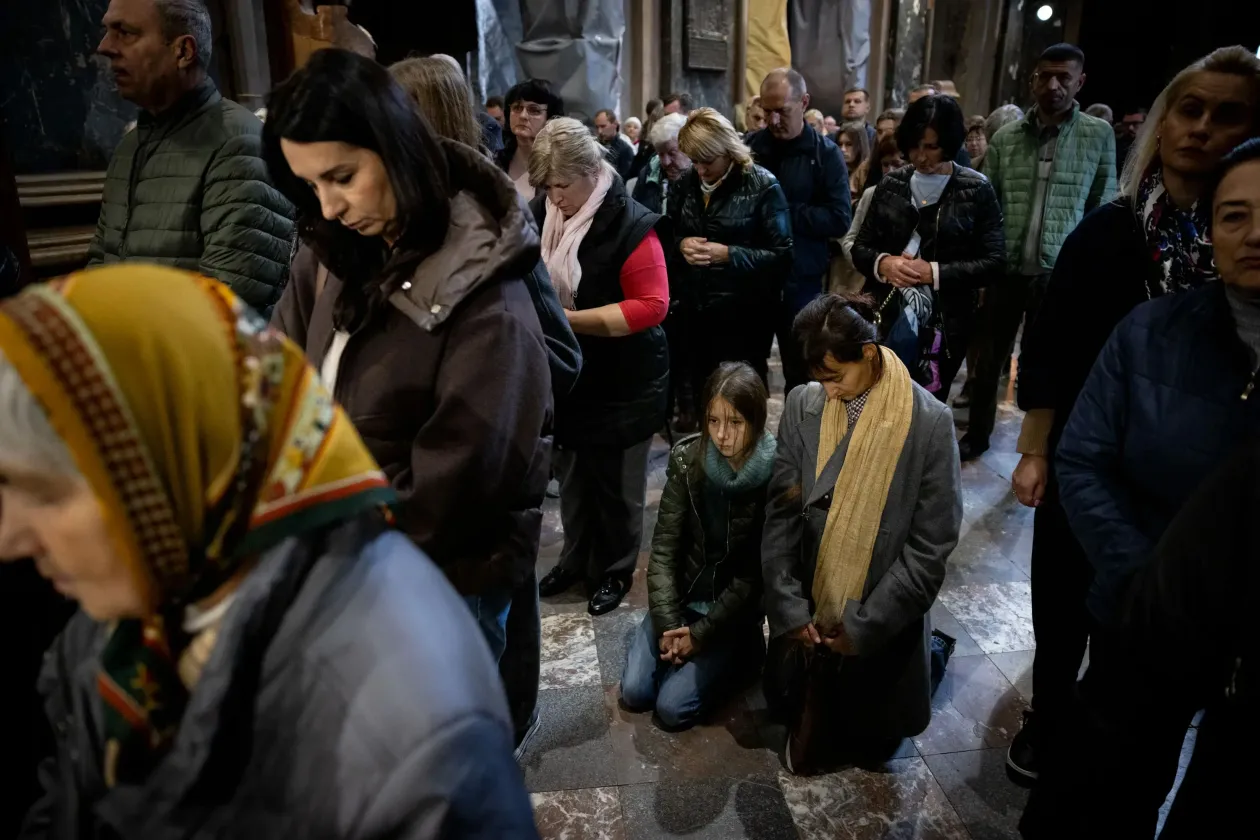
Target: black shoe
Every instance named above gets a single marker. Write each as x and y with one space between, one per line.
969 450
1021 756
608 597
556 581
963 400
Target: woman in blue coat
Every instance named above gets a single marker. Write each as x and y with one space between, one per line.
1169 398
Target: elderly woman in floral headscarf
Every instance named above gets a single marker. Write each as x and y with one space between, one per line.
250 659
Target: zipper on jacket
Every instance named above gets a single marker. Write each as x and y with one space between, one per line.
1045 199
703 548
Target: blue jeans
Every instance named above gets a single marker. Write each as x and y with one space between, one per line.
679 693
491 611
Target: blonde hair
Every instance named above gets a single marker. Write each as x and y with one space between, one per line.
1236 61
814 114
708 135
565 149
442 96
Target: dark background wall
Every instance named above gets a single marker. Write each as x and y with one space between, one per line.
59 111
1134 47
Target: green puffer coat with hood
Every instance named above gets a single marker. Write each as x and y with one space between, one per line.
685 569
1082 177
188 188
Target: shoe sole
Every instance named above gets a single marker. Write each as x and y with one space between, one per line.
1018 775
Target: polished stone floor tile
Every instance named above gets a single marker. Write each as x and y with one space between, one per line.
976 785
730 742
575 748
997 615
943 620
570 658
978 558
591 814
708 809
612 639
983 489
903 801
1187 750
1016 666
974 707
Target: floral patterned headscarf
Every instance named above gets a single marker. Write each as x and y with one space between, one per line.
1176 238
206 438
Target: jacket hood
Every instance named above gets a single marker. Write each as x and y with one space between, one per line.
491 238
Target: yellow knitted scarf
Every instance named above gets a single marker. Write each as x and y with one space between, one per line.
861 491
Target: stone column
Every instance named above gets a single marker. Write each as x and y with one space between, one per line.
907 49
697 50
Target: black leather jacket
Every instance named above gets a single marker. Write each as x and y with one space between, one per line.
970 241
749 214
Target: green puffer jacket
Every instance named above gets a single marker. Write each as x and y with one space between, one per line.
189 188
1082 177
677 574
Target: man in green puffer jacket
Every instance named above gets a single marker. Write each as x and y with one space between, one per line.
1049 169
188 186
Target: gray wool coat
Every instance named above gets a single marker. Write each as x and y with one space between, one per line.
890 628
349 695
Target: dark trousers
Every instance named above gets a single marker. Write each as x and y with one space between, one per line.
521 663
1061 577
603 491
1214 797
720 336
1108 770
1007 303
795 371
678 333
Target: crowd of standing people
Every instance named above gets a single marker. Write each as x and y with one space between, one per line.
420 312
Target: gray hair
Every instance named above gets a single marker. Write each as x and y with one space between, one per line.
26 437
667 128
187 17
1103 112
1000 117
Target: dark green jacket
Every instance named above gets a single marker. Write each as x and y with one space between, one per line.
189 188
678 551
1082 177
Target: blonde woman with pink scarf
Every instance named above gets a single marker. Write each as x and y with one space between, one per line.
608 267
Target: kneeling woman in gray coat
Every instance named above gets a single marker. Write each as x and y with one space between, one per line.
864 507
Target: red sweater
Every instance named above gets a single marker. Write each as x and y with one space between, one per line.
645 284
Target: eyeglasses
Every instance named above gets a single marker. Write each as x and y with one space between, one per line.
528 108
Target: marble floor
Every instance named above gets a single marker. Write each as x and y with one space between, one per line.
598 771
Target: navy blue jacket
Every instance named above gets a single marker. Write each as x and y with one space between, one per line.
815 180
1167 401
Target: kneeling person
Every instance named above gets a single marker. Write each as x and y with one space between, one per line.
704 577
863 510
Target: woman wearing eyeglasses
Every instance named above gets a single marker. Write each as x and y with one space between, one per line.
530 105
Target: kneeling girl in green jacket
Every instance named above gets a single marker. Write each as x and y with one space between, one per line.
704 577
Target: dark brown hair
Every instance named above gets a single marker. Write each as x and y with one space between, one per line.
739 385
837 324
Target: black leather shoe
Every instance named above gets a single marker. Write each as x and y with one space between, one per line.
556 581
1022 767
969 450
608 597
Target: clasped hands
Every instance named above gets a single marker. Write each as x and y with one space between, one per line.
906 271
838 641
677 646
697 250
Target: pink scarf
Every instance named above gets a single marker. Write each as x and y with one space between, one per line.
562 237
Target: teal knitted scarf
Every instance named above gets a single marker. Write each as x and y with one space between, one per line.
754 474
